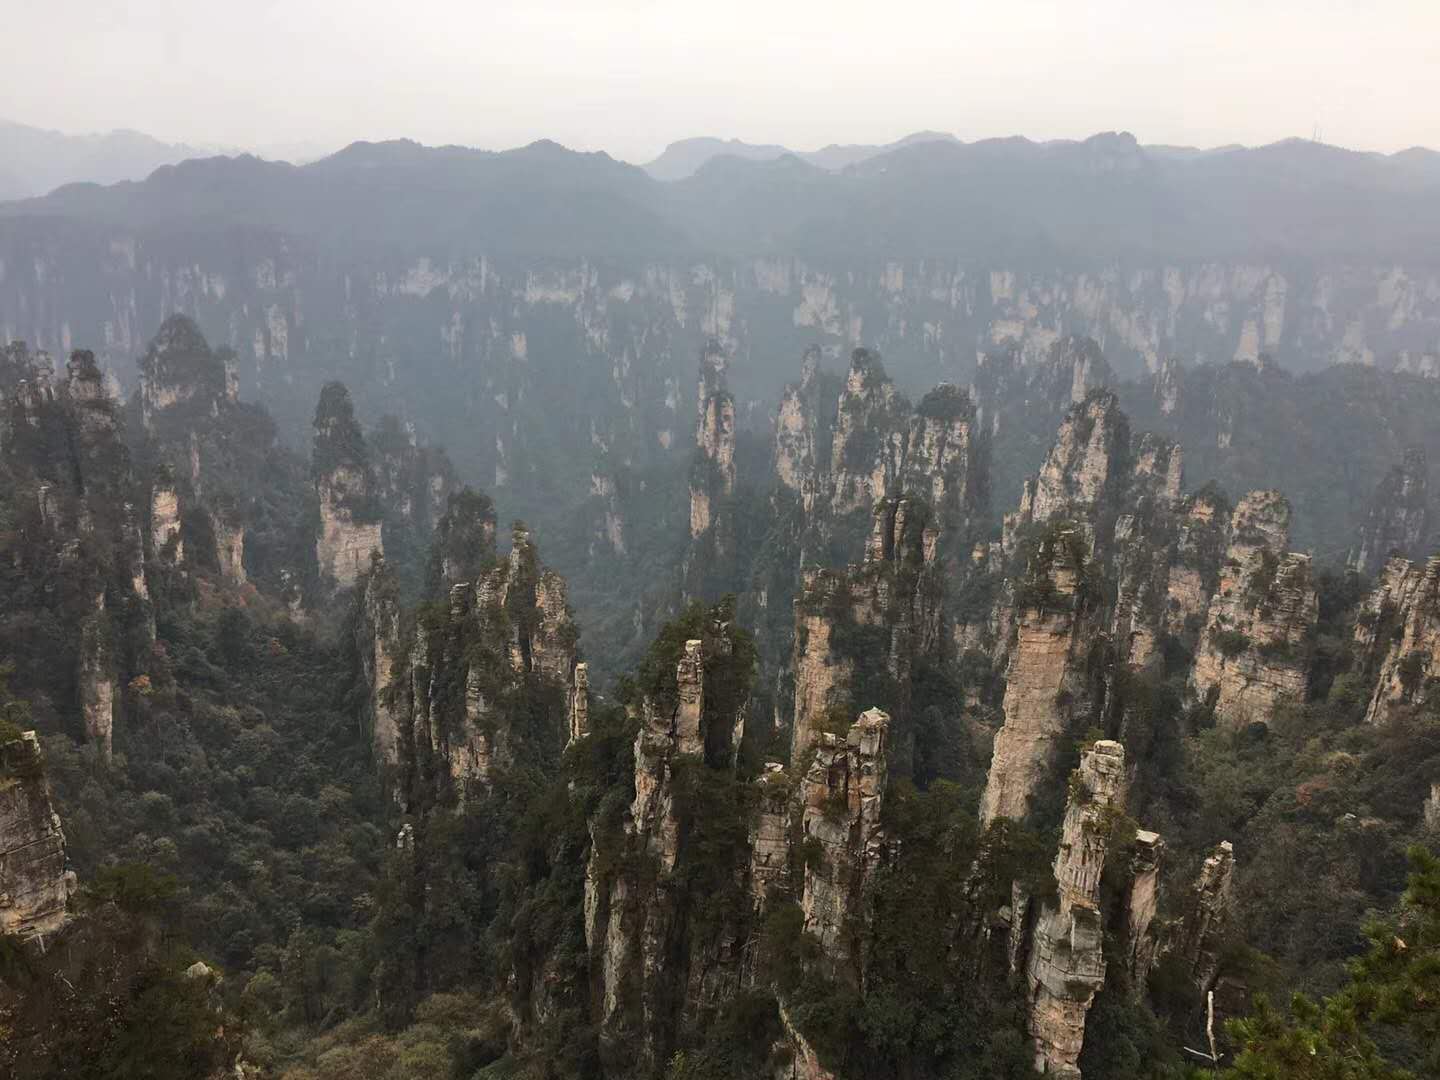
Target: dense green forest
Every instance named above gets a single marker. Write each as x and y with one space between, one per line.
335 813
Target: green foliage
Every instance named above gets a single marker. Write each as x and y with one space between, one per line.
1230 643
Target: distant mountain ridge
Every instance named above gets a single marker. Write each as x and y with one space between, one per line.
1104 196
37 161
686 157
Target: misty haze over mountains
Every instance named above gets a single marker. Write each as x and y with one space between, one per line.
923 195
849 605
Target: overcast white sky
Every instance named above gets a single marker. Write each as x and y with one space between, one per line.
629 76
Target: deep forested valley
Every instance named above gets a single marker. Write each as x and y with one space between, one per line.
1059 721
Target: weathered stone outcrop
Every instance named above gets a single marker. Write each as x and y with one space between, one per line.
34 883
770 831
413 481
1199 938
803 435
1085 463
841 794
379 646
1044 685
580 703
867 452
1142 900
1252 654
95 681
350 526
712 476
180 372
629 916
1432 808
1407 600
1066 963
1015 386
507 633
1398 521
821 676
892 598
165 539
1202 524
230 550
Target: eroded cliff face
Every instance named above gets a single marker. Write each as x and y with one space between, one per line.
1199 937
881 612
869 444
633 909
803 435
505 635
70 496
35 885
1400 626
350 525
842 793
1398 521
1066 964
1045 683
1252 654
712 476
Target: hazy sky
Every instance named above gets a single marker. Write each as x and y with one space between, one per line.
629 76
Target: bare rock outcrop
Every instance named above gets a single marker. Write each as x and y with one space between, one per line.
1066 963
1199 937
712 476
868 448
350 525
1044 685
1401 624
802 429
842 794
509 630
892 594
1142 901
34 883
1252 654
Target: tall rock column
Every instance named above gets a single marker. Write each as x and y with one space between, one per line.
1209 908
1066 966
350 529
871 428
1045 682
842 795
712 476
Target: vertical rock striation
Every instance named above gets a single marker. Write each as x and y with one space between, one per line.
1045 683
1401 625
842 793
1066 963
350 527
1252 654
1200 936
34 884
